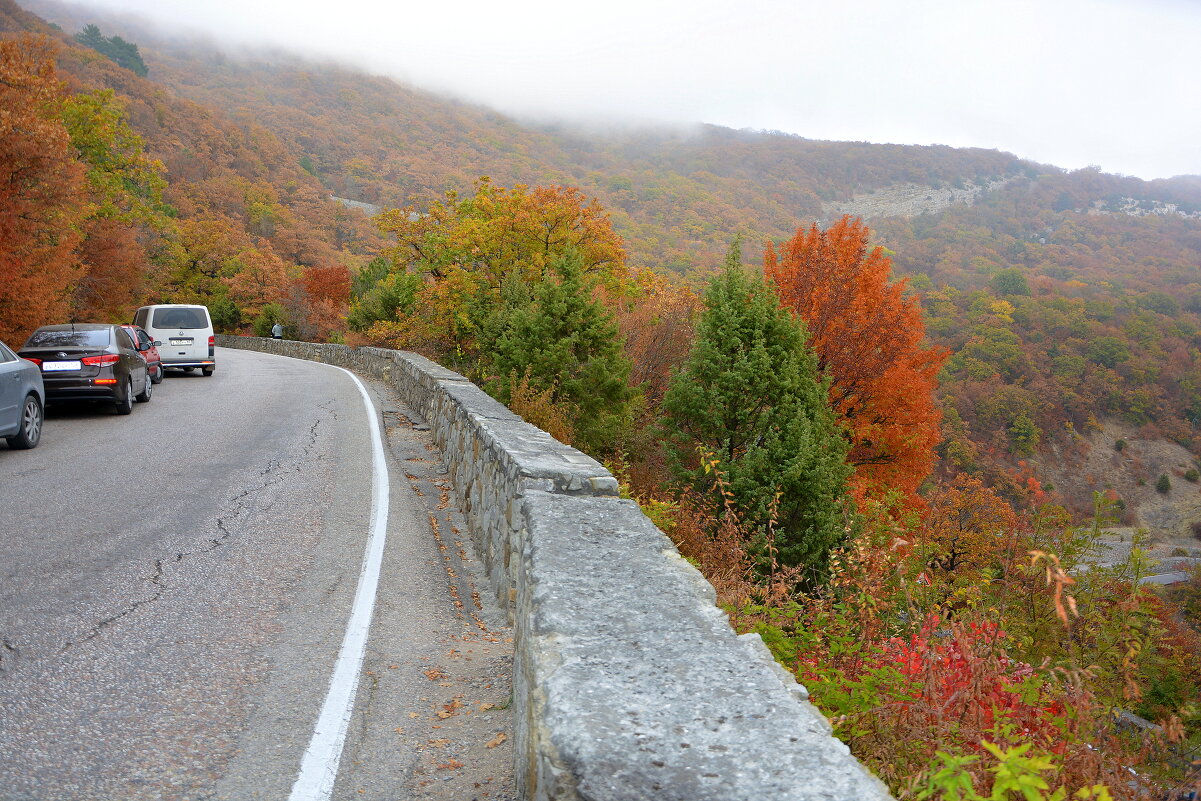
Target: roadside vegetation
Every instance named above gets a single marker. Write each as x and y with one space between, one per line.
958 635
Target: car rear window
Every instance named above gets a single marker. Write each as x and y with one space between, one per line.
180 318
96 338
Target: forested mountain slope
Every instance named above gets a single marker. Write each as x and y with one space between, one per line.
1065 297
239 216
677 195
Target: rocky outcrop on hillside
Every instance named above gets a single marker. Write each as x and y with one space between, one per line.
1117 459
910 200
1135 207
367 208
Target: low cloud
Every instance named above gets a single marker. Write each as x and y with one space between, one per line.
1071 83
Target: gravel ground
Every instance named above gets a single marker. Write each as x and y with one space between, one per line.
460 731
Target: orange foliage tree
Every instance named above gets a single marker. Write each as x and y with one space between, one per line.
868 337
115 268
126 212
261 277
327 296
968 529
41 191
499 231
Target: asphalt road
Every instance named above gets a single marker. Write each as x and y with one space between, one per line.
175 585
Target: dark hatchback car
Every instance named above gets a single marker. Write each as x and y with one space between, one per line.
89 361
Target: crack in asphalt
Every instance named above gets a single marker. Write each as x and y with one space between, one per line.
96 630
244 502
8 655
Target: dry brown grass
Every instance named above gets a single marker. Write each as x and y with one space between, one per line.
539 408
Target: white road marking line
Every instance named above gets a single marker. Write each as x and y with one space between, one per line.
319 768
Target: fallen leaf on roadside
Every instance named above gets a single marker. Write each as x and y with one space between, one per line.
450 709
453 764
497 740
484 707
433 674
414 715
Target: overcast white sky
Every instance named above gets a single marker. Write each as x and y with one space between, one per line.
1116 83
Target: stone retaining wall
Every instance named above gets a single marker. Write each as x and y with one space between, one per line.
629 683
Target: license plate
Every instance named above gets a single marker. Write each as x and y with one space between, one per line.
181 342
52 367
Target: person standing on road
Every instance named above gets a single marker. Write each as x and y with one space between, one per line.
277 331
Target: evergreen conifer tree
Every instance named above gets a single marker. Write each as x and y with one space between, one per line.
750 394
124 53
565 341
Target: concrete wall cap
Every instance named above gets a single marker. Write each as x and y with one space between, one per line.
427 366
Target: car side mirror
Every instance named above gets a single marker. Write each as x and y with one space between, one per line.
157 344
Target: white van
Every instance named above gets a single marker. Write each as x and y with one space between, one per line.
183 334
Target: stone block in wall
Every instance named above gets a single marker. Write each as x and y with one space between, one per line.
634 684
419 380
472 400
422 365
542 461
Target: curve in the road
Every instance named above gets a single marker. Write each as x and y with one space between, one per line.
319 767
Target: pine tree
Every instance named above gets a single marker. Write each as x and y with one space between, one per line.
750 395
124 53
566 342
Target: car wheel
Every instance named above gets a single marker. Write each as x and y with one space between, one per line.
207 370
125 403
30 432
144 395
158 375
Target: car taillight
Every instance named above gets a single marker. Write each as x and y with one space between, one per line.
101 361
38 362
212 341
105 381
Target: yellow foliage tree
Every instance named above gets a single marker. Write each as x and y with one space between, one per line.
467 248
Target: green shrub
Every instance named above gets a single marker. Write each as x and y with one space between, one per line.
750 401
564 349
271 314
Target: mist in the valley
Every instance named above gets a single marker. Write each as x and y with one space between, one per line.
1070 83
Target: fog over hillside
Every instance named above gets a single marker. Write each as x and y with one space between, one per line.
1073 83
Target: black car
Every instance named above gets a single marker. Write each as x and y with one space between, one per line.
89 361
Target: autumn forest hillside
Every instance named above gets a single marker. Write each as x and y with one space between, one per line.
1075 292
893 401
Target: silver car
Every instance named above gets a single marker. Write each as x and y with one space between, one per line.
22 400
